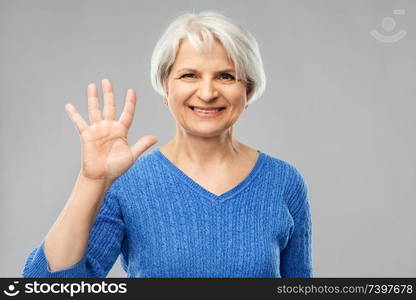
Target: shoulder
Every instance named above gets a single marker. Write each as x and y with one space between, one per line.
292 179
147 158
144 167
144 162
287 169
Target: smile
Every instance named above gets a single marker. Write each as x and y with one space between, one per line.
212 113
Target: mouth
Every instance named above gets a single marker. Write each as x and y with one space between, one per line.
207 112
207 109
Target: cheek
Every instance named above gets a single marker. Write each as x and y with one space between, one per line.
179 92
237 96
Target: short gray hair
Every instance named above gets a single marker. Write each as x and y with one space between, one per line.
201 29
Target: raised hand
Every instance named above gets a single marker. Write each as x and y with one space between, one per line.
106 153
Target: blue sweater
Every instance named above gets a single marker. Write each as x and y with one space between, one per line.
164 224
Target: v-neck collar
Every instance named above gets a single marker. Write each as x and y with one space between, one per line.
204 192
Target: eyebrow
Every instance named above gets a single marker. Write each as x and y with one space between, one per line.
194 70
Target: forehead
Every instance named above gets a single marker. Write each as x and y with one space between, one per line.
188 56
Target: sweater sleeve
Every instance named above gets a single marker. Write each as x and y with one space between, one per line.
296 257
104 246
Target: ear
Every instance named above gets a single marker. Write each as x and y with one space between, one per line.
165 97
165 91
250 92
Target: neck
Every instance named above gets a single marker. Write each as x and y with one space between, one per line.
204 151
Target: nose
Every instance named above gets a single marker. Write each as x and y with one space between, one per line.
207 91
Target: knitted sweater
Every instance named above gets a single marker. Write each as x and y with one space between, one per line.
164 224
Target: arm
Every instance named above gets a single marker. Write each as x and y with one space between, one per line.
103 246
74 247
66 241
296 257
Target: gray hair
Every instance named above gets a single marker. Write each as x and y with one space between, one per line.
202 29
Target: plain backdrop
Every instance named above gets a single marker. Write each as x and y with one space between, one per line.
339 105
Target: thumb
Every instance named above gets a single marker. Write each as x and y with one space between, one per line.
142 145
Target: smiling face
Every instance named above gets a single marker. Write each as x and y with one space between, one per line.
205 81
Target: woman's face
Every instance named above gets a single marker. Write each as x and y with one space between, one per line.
206 81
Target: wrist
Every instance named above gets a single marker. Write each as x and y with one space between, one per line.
98 182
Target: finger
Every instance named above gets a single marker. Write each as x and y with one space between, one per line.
142 145
76 118
127 115
109 112
94 112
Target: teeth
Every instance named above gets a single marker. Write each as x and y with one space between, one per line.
206 111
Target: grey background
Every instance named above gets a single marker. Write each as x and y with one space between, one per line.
339 105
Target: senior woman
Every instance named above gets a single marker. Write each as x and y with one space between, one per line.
202 205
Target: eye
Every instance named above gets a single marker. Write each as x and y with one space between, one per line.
186 75
227 76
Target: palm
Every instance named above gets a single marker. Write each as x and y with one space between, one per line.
105 150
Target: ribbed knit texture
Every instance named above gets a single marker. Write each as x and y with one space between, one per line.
164 224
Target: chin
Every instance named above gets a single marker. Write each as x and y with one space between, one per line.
206 132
